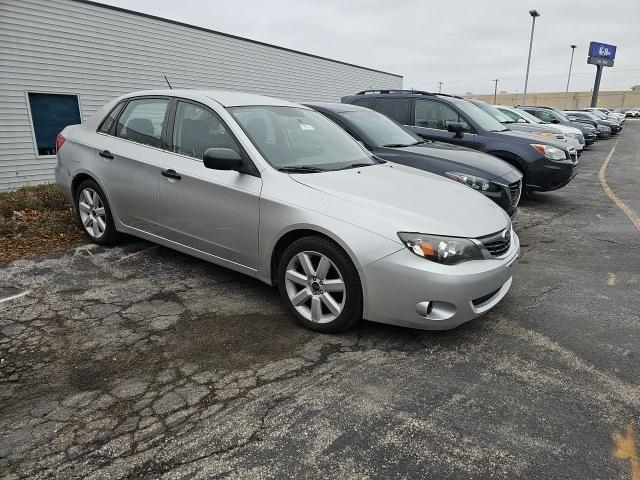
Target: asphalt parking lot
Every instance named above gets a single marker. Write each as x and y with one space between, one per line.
137 361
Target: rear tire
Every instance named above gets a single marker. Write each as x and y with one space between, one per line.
320 285
94 213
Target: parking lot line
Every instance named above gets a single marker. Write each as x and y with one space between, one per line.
13 297
626 450
601 176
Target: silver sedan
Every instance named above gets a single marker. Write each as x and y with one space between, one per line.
277 191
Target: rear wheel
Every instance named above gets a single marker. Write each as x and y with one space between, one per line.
320 285
94 213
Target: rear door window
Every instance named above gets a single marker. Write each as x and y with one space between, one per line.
108 122
396 108
143 121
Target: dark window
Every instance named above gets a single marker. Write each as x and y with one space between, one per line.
431 114
196 129
363 102
396 108
108 122
50 114
545 116
142 121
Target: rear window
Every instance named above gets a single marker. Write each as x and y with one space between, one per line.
363 102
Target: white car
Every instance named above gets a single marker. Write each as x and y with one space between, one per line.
575 138
609 114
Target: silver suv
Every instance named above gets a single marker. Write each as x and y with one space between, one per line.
277 191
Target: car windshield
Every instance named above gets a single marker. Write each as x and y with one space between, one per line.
291 138
561 115
382 130
494 112
527 116
482 118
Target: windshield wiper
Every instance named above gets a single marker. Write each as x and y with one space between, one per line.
400 145
301 169
356 165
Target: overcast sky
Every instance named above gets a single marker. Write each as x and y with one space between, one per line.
463 43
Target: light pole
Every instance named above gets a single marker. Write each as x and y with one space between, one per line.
534 14
495 90
440 87
566 92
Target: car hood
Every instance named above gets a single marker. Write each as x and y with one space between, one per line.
529 127
531 138
443 157
387 199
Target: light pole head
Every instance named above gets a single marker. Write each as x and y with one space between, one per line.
573 46
534 13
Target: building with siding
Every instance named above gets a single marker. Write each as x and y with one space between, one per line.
61 60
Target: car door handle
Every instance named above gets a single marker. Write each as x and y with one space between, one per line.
106 154
171 173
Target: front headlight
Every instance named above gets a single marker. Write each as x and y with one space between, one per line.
477 183
550 152
572 135
446 250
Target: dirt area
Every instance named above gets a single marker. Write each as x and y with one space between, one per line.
36 220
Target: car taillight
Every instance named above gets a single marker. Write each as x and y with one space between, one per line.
59 142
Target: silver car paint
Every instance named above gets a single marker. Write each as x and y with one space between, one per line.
361 209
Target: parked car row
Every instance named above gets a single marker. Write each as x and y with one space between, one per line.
392 206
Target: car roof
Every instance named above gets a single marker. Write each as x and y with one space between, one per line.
335 107
227 98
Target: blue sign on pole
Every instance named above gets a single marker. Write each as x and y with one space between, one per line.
602 50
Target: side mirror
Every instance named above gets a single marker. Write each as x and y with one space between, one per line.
455 128
522 120
221 159
555 120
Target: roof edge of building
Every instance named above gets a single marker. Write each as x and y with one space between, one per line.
237 37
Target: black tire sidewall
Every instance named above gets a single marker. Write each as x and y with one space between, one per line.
110 235
352 311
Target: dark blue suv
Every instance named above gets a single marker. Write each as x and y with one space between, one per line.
546 164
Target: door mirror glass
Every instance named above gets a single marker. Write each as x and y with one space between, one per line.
455 128
221 159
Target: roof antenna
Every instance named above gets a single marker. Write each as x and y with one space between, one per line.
167 80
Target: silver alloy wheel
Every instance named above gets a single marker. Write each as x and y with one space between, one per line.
92 213
315 287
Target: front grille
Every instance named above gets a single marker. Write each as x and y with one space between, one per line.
498 243
514 192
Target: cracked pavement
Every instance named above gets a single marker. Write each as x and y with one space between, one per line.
139 362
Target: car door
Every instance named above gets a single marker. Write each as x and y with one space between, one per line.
129 158
431 120
213 211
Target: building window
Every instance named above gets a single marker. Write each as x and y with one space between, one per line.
50 113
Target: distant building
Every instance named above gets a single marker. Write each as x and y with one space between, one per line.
63 59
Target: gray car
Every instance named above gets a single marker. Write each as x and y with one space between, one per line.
277 191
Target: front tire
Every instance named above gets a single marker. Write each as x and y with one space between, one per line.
94 213
320 285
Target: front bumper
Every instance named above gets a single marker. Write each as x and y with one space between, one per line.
400 285
546 175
